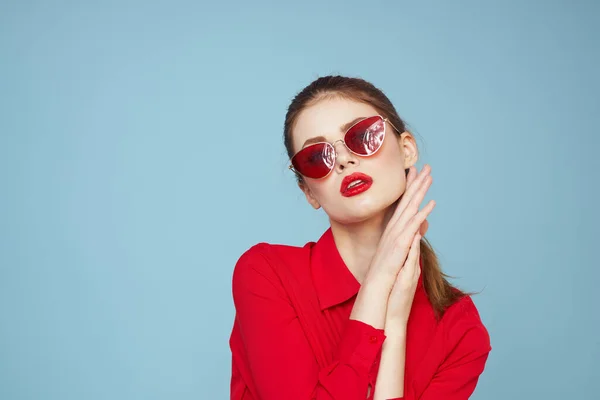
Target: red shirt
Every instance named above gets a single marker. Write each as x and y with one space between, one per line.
292 338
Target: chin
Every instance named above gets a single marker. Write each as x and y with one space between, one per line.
357 211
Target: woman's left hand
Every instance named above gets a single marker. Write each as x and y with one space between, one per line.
403 292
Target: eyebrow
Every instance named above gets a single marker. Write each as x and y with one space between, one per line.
343 128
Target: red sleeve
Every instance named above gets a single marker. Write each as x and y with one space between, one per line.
280 360
469 347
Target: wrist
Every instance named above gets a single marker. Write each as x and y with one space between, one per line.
378 283
370 307
395 327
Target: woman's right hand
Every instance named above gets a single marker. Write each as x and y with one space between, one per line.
400 231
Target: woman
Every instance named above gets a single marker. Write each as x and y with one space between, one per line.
351 316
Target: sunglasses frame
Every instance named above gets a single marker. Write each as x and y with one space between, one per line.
332 144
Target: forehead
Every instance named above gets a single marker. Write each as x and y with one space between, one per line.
326 117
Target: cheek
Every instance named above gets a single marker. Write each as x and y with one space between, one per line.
387 165
389 171
390 153
324 189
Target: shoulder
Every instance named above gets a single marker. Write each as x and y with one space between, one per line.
256 260
255 257
462 325
266 262
269 255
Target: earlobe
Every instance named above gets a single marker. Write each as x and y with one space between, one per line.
312 201
410 159
409 147
309 197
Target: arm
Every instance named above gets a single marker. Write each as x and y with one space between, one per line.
468 342
390 378
457 377
280 359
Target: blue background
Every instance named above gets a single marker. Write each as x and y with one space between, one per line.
141 154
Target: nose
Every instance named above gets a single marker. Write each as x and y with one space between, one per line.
344 157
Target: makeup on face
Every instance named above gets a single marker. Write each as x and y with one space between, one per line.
355 183
364 138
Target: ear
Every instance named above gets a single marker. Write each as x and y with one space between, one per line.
408 146
309 196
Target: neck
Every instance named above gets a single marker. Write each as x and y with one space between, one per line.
358 242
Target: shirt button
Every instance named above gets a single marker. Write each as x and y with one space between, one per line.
373 339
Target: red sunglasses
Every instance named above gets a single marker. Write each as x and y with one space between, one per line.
364 138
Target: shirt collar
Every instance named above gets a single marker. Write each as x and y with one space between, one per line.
333 280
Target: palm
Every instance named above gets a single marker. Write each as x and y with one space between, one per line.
400 300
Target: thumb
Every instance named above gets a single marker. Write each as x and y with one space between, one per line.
423 228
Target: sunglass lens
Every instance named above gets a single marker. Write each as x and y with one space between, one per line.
366 137
314 161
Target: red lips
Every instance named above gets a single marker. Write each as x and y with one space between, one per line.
365 183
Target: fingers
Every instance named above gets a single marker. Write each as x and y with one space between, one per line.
418 256
411 265
412 174
419 218
425 171
414 184
415 250
423 228
413 188
412 206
